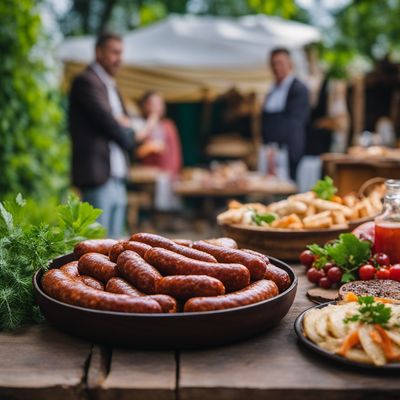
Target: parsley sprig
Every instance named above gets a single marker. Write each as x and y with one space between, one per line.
371 312
27 244
324 188
347 252
260 218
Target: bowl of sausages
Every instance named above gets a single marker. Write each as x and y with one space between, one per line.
157 293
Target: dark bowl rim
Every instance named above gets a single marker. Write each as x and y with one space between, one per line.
298 328
187 315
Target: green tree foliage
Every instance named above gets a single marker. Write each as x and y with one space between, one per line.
33 149
92 16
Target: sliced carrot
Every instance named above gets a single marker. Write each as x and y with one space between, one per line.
383 300
376 337
387 344
350 296
350 341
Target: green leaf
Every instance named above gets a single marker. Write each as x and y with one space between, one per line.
348 277
324 188
259 218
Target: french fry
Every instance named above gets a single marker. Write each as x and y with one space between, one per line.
285 222
325 205
326 222
339 218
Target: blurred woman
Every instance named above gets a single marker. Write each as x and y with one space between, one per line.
162 147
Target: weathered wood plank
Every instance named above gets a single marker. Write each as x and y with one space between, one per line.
42 363
136 375
274 366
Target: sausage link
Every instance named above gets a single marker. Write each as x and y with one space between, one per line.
138 272
223 242
233 276
119 247
101 246
279 276
72 291
91 282
159 241
186 286
71 269
274 273
256 253
183 242
254 293
121 286
97 266
254 264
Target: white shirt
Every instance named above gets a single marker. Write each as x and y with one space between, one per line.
276 99
118 161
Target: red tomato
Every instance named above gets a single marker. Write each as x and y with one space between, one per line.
366 272
314 275
307 258
324 283
334 274
382 273
395 272
366 231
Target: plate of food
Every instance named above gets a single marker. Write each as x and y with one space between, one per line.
154 292
360 331
286 227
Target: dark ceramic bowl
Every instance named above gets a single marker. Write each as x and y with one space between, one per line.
165 331
299 329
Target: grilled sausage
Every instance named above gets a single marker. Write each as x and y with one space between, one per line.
159 241
224 242
233 276
119 247
101 246
138 272
272 272
256 292
121 286
91 282
97 266
187 286
71 269
254 264
72 291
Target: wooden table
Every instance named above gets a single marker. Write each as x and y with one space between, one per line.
350 172
42 363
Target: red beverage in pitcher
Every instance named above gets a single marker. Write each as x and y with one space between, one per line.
387 240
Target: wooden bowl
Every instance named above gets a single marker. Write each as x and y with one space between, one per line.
165 331
284 244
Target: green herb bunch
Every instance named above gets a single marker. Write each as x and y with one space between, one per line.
27 247
324 188
371 312
348 252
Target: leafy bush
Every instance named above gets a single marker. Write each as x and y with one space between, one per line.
33 147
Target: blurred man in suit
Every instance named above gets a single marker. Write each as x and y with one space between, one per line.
286 109
102 135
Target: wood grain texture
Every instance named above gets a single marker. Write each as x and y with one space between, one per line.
140 375
42 363
274 366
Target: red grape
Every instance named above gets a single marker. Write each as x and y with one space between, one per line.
382 273
382 259
328 266
307 258
314 275
324 283
395 272
334 274
366 272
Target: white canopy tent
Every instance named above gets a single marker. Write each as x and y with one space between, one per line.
192 57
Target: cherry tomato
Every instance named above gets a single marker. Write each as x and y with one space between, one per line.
395 272
328 266
382 259
324 283
307 258
366 272
382 273
314 275
334 274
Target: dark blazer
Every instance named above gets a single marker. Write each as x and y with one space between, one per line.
92 126
288 127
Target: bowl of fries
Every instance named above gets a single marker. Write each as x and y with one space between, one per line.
360 331
286 227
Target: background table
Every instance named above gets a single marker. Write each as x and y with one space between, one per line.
42 363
